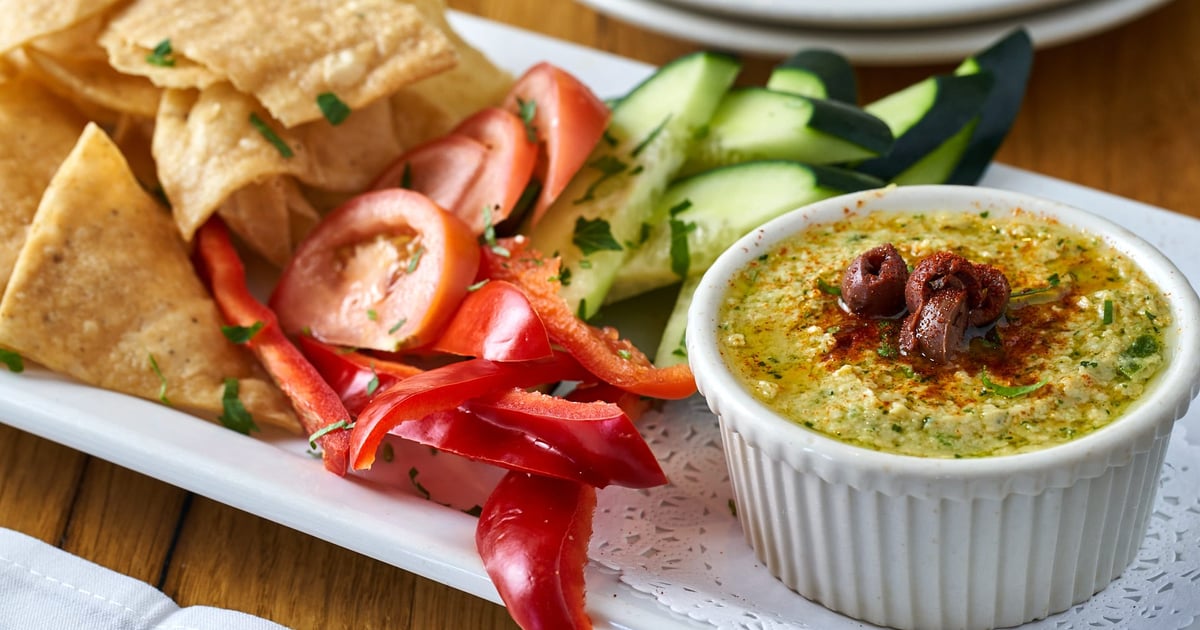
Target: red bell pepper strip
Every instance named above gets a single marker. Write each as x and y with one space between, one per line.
600 350
592 443
354 376
632 404
496 322
315 403
445 388
533 537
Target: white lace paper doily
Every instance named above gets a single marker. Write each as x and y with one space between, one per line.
682 544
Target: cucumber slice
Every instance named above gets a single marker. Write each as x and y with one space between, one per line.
671 347
817 73
1009 61
759 124
924 116
706 213
600 213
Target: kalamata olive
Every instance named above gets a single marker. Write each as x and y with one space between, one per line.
941 270
993 300
938 328
873 284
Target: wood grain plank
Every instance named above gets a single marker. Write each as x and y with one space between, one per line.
38 483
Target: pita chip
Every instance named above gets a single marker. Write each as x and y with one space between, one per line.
103 291
285 53
37 130
26 20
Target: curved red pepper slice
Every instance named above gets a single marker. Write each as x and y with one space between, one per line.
354 376
592 443
496 322
632 404
533 536
315 403
445 388
600 350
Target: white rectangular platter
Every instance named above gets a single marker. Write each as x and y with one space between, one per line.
276 479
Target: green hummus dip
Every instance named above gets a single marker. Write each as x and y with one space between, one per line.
1080 340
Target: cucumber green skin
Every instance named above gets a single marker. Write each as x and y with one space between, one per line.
924 117
652 130
727 203
759 124
671 348
1009 61
817 73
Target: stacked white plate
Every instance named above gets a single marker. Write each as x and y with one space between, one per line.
873 32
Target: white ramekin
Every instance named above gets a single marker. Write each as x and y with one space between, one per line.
914 542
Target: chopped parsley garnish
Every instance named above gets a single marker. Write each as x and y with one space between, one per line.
528 197
887 351
398 325
1010 392
1142 347
489 234
471 288
680 207
564 276
373 384
527 110
270 136
681 349
831 289
415 260
332 107
609 167
162 380
162 55
624 354
412 476
681 259
329 428
15 364
372 315
644 235
406 177
1107 316
241 334
581 312
235 417
593 235
641 146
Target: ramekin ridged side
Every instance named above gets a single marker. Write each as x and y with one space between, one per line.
927 543
917 563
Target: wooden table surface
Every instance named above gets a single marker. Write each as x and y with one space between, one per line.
1119 111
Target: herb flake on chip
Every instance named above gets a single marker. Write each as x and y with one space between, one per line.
241 334
162 380
327 429
332 107
162 55
235 417
15 364
270 136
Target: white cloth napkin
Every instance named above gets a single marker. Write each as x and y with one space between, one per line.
45 587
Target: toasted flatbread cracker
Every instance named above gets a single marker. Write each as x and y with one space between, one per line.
37 130
287 52
431 107
26 20
207 148
103 291
262 215
97 83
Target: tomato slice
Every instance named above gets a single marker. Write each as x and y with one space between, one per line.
315 403
442 169
497 323
569 119
384 271
533 536
505 172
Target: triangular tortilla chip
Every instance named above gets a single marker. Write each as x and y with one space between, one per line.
103 291
285 52
262 216
37 130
